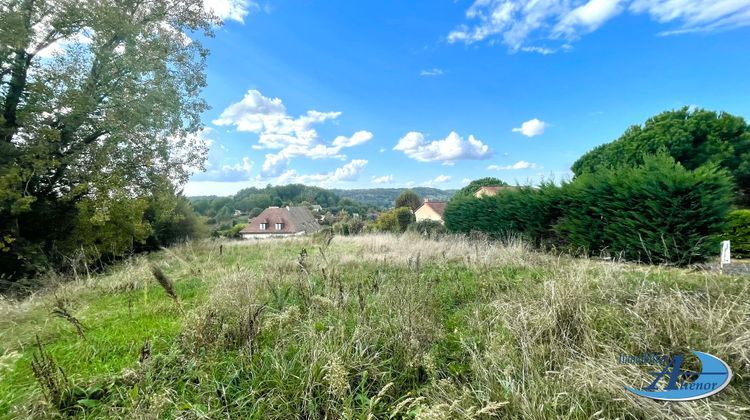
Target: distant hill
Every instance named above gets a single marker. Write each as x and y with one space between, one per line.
384 197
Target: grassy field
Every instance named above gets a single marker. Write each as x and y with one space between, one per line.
363 327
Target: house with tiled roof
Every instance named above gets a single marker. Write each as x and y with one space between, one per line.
430 210
280 221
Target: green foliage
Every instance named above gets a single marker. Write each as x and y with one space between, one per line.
255 200
383 198
738 232
102 123
526 212
659 212
409 199
232 232
405 217
387 222
428 228
693 138
475 185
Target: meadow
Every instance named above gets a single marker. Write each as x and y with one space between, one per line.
371 326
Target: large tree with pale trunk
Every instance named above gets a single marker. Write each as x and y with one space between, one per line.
99 107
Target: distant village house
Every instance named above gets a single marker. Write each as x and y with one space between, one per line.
430 210
280 222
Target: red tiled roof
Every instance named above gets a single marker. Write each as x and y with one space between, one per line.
437 206
293 220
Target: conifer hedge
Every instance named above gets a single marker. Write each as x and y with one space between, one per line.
658 212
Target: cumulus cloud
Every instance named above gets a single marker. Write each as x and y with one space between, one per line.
268 117
274 165
452 148
431 72
521 164
349 172
230 9
548 26
385 179
291 137
531 128
437 180
356 139
240 171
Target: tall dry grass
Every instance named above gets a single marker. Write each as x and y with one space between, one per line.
380 326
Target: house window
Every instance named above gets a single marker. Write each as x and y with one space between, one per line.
279 226
263 226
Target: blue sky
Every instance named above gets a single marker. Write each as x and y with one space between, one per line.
435 93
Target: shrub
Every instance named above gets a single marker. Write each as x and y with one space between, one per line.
429 228
405 217
738 232
658 212
387 222
523 211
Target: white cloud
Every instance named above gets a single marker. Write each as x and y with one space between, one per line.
385 179
356 139
274 165
531 128
291 137
240 171
438 180
521 164
465 180
546 26
431 72
59 47
452 148
349 172
267 117
230 9
696 15
587 17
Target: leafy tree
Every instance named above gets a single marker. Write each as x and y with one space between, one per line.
85 133
410 199
475 185
404 216
692 137
387 222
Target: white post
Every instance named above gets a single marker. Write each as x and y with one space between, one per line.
725 255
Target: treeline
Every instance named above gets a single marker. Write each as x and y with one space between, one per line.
251 201
383 198
650 207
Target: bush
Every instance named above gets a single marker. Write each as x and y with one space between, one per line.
738 232
659 212
405 217
524 211
429 228
387 222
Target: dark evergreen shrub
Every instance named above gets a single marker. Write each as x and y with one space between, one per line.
738 232
659 212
